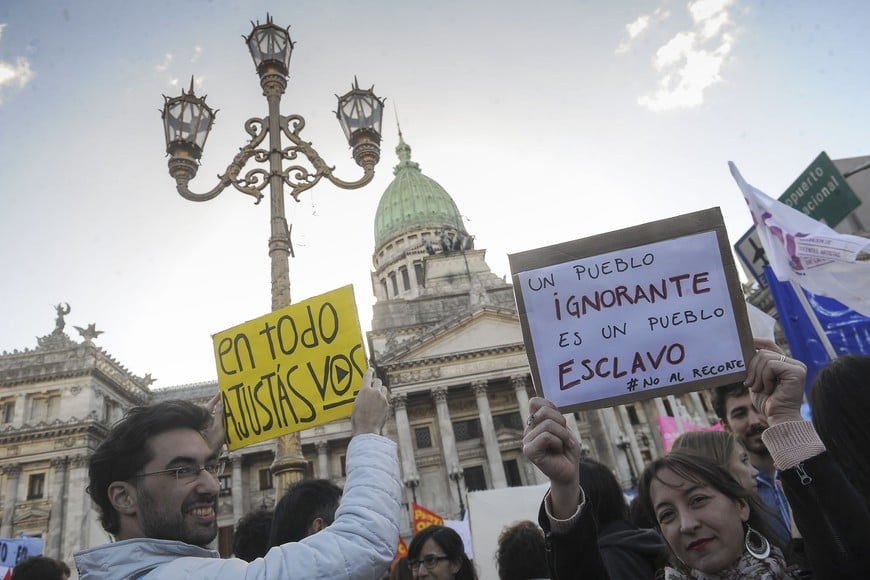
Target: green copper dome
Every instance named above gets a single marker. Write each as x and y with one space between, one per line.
413 201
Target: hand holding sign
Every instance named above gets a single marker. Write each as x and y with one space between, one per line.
216 435
371 408
776 384
291 369
551 446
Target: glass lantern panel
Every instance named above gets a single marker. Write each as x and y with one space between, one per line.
360 110
270 43
187 121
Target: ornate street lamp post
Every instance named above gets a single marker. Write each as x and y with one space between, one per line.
455 475
413 483
187 120
624 444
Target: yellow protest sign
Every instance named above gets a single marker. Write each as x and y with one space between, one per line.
291 369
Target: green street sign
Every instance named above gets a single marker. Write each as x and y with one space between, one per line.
821 192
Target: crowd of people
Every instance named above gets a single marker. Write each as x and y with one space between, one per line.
773 496
700 498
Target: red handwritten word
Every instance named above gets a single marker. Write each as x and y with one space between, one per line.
606 366
681 285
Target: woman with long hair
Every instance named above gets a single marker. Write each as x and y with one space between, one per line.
708 521
437 552
723 449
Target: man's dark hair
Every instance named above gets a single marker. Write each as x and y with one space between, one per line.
521 552
40 568
840 400
125 450
721 396
251 538
603 492
302 503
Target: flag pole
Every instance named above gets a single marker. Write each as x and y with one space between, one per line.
811 315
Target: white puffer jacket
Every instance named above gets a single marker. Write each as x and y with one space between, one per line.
359 545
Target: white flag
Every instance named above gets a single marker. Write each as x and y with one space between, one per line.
807 251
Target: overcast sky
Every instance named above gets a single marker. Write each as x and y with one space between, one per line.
546 122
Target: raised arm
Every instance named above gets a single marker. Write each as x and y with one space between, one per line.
829 512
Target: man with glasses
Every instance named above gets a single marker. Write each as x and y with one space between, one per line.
154 480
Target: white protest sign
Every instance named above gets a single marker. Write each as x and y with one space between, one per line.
633 314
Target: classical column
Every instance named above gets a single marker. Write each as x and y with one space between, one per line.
490 440
601 437
448 439
238 495
54 542
406 444
699 408
78 506
650 415
571 422
322 447
519 383
628 429
12 471
611 424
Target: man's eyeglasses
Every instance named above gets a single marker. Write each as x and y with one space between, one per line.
429 561
187 472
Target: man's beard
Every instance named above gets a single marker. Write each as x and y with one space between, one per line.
165 526
756 446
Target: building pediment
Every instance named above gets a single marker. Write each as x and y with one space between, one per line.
485 328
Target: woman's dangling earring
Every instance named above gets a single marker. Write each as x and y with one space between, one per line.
756 544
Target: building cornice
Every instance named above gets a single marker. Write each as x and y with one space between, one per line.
58 428
452 357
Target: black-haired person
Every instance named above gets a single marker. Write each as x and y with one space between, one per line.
571 531
40 568
840 400
830 513
628 551
437 553
251 537
521 553
307 507
585 516
154 480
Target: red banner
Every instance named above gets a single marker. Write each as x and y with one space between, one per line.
424 518
401 550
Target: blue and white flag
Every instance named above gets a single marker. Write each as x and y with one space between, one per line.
799 248
847 331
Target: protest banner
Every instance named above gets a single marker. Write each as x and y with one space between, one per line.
401 552
14 550
423 518
291 369
817 328
632 314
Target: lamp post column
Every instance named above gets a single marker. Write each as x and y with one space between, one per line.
289 464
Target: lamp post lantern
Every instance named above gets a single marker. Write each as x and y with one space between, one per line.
413 483
624 444
455 475
187 120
